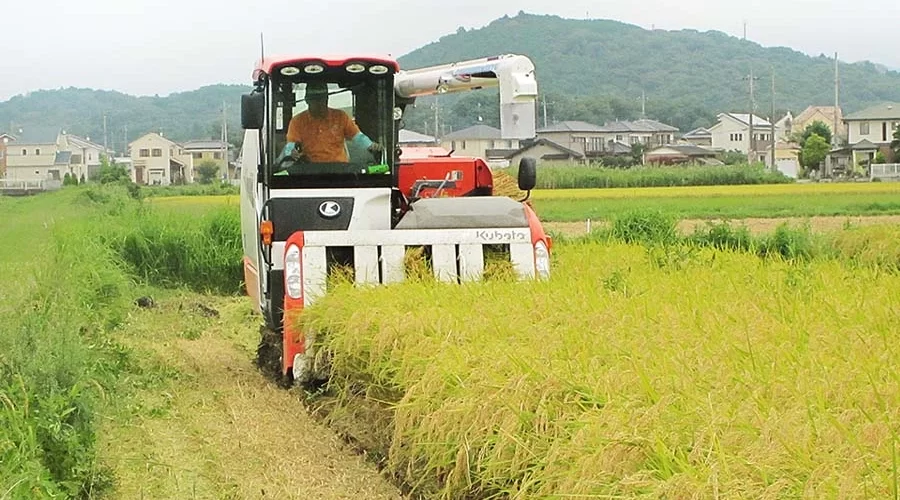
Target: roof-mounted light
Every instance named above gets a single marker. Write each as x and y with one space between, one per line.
378 69
290 71
313 69
355 68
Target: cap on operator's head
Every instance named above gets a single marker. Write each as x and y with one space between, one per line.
316 89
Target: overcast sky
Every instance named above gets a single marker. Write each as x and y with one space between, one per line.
147 47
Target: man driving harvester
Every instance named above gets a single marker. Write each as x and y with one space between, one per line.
317 135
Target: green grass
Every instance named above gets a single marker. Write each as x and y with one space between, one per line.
669 371
736 206
73 262
564 176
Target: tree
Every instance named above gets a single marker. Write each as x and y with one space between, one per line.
111 171
817 127
814 152
637 153
734 157
208 170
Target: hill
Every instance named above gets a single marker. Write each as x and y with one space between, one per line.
595 70
591 70
181 116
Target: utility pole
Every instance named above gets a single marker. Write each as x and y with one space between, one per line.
225 138
772 120
837 103
643 104
105 144
751 153
544 102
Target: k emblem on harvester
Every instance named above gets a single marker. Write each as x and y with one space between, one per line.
329 209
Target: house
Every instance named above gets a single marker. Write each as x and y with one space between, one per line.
787 158
868 131
409 138
596 140
477 141
824 114
698 137
784 127
159 161
32 156
4 140
546 150
648 132
211 152
672 154
732 132
85 156
575 135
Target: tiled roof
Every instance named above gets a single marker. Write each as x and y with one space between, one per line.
571 126
883 111
204 145
475 132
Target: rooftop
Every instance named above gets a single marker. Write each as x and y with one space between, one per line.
475 132
204 145
883 111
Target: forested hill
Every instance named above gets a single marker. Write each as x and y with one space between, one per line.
180 116
596 70
591 70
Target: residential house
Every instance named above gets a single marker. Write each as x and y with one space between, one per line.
211 152
673 154
698 137
482 141
784 127
575 135
732 132
787 158
85 156
595 140
868 132
546 150
824 114
409 138
648 132
159 161
32 156
4 140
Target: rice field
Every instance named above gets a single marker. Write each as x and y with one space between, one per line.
722 202
635 372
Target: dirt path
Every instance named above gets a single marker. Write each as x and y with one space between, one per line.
756 225
201 422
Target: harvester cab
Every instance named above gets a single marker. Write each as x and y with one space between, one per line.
321 187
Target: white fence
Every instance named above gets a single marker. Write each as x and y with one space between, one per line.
885 171
13 186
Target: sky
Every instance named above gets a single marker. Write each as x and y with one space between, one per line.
156 47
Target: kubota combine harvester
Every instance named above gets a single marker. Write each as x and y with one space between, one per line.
300 217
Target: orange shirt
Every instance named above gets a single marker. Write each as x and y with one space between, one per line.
323 139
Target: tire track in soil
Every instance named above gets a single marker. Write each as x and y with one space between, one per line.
200 421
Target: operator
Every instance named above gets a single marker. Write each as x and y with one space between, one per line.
317 135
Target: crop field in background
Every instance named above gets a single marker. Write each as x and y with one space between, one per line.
722 202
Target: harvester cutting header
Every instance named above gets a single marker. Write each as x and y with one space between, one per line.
322 184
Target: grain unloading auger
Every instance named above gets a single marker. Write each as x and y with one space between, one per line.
300 218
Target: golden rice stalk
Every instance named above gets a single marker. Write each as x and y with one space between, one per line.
507 185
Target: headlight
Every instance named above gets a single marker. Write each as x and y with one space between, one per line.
542 260
293 277
378 69
355 68
313 68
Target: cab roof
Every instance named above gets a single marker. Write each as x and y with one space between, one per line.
269 63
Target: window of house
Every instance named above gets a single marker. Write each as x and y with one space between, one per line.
464 144
864 128
197 156
453 145
76 159
24 152
37 152
171 152
157 152
145 153
217 155
90 156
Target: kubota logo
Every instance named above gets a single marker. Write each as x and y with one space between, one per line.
329 209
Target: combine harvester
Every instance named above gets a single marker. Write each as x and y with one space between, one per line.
300 218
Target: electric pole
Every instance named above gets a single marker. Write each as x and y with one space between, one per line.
225 138
837 103
105 144
643 105
751 153
772 120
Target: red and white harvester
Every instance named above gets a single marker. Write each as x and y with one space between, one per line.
301 218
